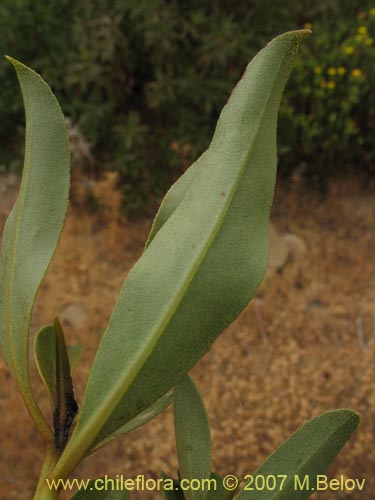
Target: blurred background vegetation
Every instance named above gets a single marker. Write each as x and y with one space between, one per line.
143 81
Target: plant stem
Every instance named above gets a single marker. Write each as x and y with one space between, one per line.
43 492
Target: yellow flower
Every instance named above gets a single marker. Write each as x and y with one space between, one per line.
372 12
349 49
356 73
341 70
358 38
369 41
318 70
332 71
308 26
331 85
362 30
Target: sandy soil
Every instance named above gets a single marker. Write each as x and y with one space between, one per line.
304 345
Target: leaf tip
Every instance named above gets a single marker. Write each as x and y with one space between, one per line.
11 59
349 418
298 35
352 415
348 413
18 66
304 33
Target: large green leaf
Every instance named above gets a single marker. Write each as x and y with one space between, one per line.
193 438
201 268
307 453
34 225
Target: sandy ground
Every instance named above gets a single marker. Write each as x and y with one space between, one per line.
304 345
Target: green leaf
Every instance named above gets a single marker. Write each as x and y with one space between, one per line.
33 227
92 493
45 358
66 406
193 439
53 363
307 453
201 268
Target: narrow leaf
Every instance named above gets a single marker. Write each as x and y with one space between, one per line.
93 493
307 453
33 227
193 439
201 268
66 407
45 358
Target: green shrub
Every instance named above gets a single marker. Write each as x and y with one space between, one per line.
330 106
144 81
